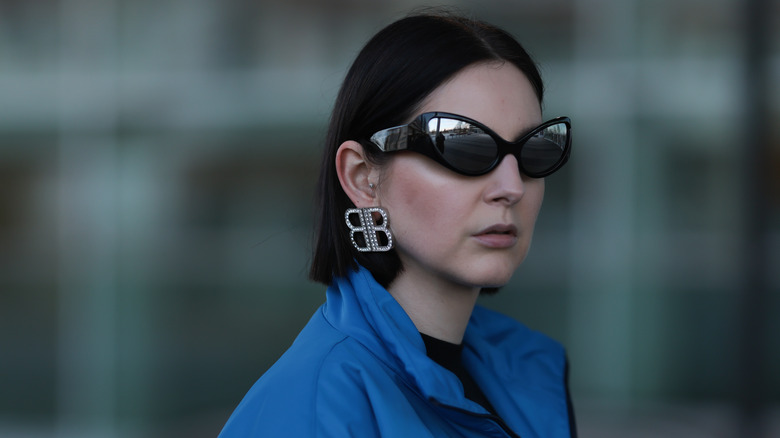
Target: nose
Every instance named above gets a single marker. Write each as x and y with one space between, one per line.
506 185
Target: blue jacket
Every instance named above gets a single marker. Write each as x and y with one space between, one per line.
359 369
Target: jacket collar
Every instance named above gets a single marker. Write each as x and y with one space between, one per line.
521 371
361 308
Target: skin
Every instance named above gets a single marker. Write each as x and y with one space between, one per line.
439 218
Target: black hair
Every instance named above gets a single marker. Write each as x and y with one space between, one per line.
390 78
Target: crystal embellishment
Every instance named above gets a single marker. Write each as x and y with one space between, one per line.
369 229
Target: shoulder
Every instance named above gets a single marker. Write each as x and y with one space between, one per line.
497 328
522 371
507 342
314 389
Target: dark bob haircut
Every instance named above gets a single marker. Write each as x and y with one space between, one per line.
388 81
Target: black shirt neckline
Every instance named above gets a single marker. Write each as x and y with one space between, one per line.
449 356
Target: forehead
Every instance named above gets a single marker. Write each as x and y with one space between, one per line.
497 95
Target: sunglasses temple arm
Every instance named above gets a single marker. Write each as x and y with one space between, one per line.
392 139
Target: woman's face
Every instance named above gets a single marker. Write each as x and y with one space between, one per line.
458 231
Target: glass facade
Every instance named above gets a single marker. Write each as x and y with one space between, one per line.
157 166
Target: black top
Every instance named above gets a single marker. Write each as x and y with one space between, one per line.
448 355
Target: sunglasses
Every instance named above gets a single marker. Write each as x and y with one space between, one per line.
472 149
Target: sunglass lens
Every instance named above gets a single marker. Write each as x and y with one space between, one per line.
545 149
463 145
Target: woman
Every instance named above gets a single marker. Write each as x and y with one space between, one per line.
430 185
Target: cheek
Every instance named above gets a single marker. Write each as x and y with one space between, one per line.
413 204
418 198
535 192
529 215
531 203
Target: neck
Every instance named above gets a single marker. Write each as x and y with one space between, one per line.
438 309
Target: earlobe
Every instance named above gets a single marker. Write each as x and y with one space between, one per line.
354 172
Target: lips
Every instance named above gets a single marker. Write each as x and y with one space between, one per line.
500 229
498 236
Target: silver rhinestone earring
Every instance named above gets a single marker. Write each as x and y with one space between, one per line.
369 229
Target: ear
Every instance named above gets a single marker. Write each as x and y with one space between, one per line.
356 173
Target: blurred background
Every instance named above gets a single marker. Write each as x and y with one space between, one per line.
157 165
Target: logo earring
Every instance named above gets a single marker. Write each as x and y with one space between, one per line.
369 229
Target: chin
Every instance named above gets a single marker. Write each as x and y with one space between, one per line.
494 281
498 273
492 287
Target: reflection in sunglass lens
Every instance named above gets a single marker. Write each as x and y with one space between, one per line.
469 149
544 149
463 145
